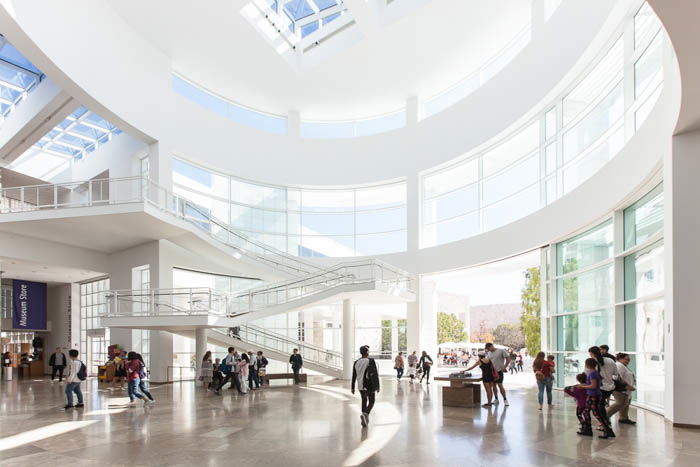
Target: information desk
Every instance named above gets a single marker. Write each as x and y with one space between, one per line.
462 392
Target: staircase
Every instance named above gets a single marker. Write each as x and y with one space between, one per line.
275 347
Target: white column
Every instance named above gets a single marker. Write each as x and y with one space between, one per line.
428 317
413 323
200 345
348 338
682 256
160 169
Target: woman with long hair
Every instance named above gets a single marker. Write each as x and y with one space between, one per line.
133 376
143 376
206 372
544 370
608 373
487 376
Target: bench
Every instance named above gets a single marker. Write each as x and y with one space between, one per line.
267 377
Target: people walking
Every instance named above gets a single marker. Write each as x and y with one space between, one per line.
77 373
399 366
412 363
143 379
206 371
243 364
608 373
262 366
623 390
133 379
365 373
297 363
425 363
57 362
488 374
229 367
544 370
594 403
499 360
253 367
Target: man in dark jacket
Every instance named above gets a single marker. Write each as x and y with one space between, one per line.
296 362
57 362
364 371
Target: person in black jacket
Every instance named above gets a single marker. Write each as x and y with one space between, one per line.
57 362
364 371
296 362
425 363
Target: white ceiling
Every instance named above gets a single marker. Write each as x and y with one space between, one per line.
13 268
426 51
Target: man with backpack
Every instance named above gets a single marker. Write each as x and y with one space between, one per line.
229 367
364 371
77 373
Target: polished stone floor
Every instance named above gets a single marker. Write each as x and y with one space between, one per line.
316 425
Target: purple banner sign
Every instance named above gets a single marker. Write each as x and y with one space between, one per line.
29 305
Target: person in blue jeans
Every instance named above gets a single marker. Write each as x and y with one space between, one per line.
73 381
133 368
544 371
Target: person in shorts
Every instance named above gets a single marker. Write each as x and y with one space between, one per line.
499 359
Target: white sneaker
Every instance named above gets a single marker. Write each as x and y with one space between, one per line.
131 404
496 401
505 402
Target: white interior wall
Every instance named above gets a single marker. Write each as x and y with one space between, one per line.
58 302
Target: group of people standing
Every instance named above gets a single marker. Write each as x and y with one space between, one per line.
416 367
242 370
492 362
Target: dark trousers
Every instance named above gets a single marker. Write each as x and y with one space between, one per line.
399 373
593 404
579 415
426 373
253 378
234 379
367 401
59 369
296 371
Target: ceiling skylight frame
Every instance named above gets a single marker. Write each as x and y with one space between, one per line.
17 78
295 27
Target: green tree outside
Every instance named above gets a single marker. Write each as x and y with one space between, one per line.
450 328
532 309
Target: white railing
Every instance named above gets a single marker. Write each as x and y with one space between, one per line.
204 301
127 190
259 337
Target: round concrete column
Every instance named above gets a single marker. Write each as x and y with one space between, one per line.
348 338
200 338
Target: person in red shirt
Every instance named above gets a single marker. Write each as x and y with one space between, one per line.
544 374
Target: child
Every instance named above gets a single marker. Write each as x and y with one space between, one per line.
580 395
593 401
75 376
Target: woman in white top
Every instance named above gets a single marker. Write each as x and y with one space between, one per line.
608 372
623 398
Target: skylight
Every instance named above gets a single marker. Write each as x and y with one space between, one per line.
18 76
291 21
79 134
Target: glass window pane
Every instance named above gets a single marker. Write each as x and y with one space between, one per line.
451 205
580 331
327 200
591 127
379 244
646 25
327 224
644 272
550 124
644 218
551 158
512 149
586 249
512 180
585 167
587 291
451 179
644 327
513 208
383 220
649 370
648 70
381 196
451 230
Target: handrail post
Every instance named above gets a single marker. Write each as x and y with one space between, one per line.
55 196
89 193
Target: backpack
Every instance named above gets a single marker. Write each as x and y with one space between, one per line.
82 372
224 368
370 376
142 371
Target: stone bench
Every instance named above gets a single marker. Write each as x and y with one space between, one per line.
267 377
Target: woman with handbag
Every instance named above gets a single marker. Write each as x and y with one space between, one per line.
488 376
544 369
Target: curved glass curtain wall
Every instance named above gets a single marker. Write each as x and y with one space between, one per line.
301 221
556 151
245 116
607 287
331 129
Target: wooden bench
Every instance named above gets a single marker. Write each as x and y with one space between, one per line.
266 379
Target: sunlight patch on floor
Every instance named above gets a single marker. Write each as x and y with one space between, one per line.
38 434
